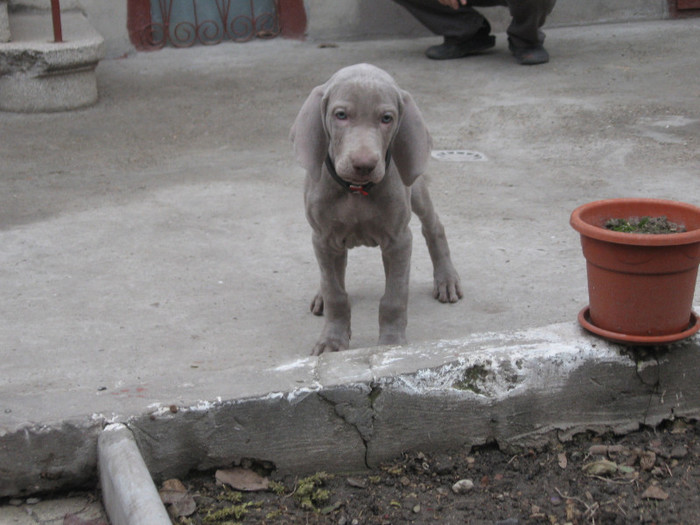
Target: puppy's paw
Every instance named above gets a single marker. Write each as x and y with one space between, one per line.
329 345
446 286
392 339
316 306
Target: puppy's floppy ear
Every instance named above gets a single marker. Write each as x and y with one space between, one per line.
412 143
308 133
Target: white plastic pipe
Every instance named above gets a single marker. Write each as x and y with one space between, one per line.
128 492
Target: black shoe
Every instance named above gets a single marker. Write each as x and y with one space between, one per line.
529 56
455 48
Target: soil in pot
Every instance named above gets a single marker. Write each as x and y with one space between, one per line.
650 225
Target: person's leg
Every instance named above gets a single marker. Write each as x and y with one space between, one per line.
443 20
465 30
525 37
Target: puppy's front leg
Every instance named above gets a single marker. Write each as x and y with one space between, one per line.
394 303
446 288
334 299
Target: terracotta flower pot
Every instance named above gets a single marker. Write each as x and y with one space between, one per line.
640 286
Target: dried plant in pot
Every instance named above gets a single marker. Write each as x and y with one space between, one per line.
640 285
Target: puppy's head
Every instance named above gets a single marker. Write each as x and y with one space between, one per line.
356 117
361 108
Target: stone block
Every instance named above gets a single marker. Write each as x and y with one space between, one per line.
4 22
38 75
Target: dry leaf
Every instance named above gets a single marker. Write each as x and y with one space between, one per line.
74 519
600 468
655 492
627 470
679 427
175 494
536 512
647 460
561 459
606 450
173 485
242 479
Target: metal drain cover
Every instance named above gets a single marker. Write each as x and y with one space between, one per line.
458 155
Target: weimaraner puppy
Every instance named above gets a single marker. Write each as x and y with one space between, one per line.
364 145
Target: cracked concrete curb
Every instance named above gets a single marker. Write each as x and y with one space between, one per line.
355 409
128 492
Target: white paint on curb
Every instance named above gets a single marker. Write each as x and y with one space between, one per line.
128 492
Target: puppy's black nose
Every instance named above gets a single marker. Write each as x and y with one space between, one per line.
364 170
364 164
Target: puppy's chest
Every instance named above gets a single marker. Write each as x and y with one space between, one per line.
358 221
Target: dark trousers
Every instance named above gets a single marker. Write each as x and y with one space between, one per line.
524 30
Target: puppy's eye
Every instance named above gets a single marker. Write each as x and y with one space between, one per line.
341 115
387 118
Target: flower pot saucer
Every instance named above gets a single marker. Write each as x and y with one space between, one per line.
584 319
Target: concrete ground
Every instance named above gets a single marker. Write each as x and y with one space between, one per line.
155 250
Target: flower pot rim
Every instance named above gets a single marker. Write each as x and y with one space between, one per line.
693 327
599 232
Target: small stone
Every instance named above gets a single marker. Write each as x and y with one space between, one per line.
358 483
33 501
416 509
655 492
679 452
463 486
562 461
405 481
15 502
443 465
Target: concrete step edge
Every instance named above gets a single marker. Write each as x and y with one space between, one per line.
355 409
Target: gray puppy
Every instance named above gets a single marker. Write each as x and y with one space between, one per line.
364 145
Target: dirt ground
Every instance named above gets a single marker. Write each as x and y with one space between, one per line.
648 476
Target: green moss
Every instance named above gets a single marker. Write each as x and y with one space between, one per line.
229 495
236 512
309 494
273 515
652 225
277 487
471 378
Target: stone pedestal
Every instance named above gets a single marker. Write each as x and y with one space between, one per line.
4 22
38 75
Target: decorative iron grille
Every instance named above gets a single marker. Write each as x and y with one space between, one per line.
184 23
